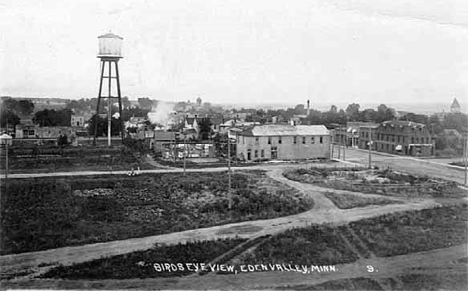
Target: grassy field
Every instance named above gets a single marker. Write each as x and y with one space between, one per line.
140 264
387 235
46 213
347 201
382 182
414 231
316 245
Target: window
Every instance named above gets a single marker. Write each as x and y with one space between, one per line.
262 153
279 139
256 153
269 140
303 140
25 132
295 140
312 140
31 132
256 139
249 151
321 139
274 153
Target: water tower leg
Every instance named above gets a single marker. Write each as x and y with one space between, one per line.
109 105
120 101
96 118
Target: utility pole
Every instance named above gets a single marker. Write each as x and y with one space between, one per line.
465 157
6 161
185 149
370 145
229 172
345 145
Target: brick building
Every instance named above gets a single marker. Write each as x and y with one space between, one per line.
283 142
349 135
404 137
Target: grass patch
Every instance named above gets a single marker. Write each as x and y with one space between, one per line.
39 214
347 201
382 182
314 245
414 231
140 264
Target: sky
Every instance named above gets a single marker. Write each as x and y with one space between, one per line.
241 52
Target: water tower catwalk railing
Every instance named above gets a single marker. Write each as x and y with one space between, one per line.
109 53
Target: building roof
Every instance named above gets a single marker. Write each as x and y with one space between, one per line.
402 123
110 35
285 130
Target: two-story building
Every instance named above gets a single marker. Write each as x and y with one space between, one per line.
283 142
349 135
404 137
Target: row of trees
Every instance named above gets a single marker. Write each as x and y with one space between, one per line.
328 118
11 109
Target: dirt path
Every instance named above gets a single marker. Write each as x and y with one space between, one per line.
429 262
324 211
408 164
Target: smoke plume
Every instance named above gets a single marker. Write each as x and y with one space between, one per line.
161 114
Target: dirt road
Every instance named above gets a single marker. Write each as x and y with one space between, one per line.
408 164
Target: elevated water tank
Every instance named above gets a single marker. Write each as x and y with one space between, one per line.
110 45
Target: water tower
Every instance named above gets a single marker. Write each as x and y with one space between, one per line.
110 52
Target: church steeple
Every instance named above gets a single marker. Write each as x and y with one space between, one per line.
455 107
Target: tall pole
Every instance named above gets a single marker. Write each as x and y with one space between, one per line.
6 160
332 146
370 144
345 145
109 104
185 148
229 172
465 157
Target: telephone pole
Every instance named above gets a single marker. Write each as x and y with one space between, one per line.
370 145
229 172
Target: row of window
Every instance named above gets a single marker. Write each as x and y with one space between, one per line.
399 138
295 138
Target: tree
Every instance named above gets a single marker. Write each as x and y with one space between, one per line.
368 115
23 107
102 126
458 121
26 107
205 128
8 117
299 109
48 117
352 111
384 113
145 103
